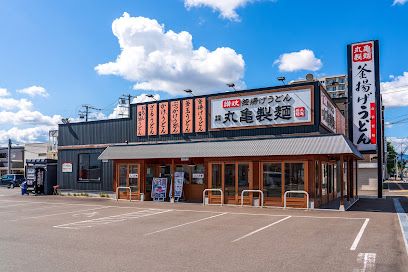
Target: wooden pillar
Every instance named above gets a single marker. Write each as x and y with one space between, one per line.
172 170
356 178
341 182
348 180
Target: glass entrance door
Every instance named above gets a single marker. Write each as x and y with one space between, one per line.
229 183
232 178
128 176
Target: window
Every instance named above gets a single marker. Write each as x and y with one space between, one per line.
294 178
317 188
229 179
324 179
198 174
272 179
89 167
216 176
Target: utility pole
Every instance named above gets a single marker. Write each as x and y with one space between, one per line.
128 99
86 111
9 157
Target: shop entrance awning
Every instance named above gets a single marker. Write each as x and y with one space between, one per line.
290 146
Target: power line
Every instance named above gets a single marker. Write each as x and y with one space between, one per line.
87 110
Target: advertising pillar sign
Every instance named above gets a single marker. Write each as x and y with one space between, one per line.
362 95
365 125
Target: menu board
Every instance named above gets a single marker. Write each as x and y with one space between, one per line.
159 189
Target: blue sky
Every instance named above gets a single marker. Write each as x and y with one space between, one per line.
49 51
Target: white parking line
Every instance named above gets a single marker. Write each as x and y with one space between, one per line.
56 214
261 229
403 220
110 219
367 260
359 235
14 205
185 224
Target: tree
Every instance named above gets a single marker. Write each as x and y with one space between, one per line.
391 157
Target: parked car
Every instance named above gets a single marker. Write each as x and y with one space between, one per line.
12 180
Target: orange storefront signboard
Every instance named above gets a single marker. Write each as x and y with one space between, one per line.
200 115
175 109
187 116
164 118
152 119
141 120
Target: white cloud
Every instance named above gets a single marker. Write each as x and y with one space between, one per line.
23 117
14 104
34 91
25 135
395 91
157 60
301 60
399 2
4 92
20 122
226 8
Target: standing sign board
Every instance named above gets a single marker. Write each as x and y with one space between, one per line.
363 94
159 189
178 185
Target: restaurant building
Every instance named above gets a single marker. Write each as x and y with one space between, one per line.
274 139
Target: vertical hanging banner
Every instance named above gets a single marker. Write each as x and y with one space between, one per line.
175 117
152 119
164 118
200 114
141 120
187 115
363 94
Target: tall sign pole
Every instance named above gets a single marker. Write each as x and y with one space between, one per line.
9 157
364 99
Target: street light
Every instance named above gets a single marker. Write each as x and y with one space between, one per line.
282 78
151 96
231 85
189 91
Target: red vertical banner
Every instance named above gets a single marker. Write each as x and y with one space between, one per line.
373 123
200 114
164 118
175 109
152 119
187 116
141 120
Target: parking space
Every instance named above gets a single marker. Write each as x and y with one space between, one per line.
122 236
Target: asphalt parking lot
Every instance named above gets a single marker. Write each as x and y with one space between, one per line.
52 233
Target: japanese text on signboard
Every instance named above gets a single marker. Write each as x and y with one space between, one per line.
328 112
363 95
263 109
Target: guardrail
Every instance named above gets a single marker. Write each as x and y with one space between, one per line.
213 190
252 191
123 187
296 192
